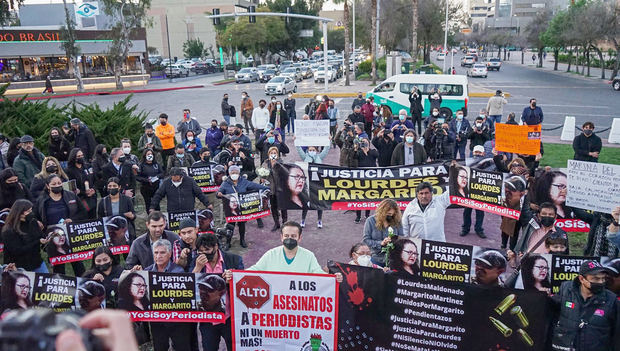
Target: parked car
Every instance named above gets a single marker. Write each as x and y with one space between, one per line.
280 85
204 68
176 71
477 70
320 74
306 71
467 61
187 64
267 75
293 73
615 83
246 75
494 63
441 56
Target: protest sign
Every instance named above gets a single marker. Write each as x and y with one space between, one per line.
535 273
311 132
174 219
565 268
243 207
520 139
593 186
117 234
480 190
402 312
171 297
284 311
314 186
204 177
446 261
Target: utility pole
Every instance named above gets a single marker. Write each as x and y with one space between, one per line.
326 79
377 38
169 55
354 47
445 39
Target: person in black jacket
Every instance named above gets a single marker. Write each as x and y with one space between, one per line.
120 168
478 135
415 108
82 137
358 101
22 238
11 189
226 109
11 154
365 158
587 145
55 206
117 204
279 118
384 143
99 161
58 146
180 191
50 166
80 170
269 140
140 253
356 116
105 269
149 175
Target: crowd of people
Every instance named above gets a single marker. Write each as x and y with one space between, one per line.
35 193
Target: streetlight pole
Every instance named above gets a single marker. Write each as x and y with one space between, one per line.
377 38
326 77
169 55
445 38
354 47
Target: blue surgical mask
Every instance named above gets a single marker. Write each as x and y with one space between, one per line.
180 155
402 117
409 139
271 140
459 117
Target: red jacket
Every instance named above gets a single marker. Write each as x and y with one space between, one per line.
368 112
321 111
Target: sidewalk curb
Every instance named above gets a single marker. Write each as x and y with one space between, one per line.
354 94
120 92
222 83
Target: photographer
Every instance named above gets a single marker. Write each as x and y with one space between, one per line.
192 145
442 142
356 116
435 99
384 143
478 135
345 140
415 108
460 127
271 139
401 126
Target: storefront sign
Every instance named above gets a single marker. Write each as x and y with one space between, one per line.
29 36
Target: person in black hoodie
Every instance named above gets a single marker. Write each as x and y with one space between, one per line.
58 146
22 238
55 206
180 191
11 189
149 175
384 143
105 269
84 176
82 137
99 161
117 204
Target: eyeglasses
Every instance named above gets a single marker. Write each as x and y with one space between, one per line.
298 177
463 177
140 286
559 186
542 268
363 253
23 287
410 253
597 280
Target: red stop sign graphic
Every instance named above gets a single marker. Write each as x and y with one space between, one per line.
253 291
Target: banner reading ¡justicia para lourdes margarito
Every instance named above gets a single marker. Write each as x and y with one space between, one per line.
312 186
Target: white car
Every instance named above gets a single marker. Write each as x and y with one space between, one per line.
280 85
246 75
176 71
320 74
186 63
477 70
441 56
294 73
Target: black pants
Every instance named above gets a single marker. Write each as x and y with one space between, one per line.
273 200
246 121
241 226
304 213
147 190
358 214
212 333
513 240
179 333
78 268
368 129
164 154
332 131
417 119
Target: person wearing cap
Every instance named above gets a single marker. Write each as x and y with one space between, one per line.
424 216
489 267
587 313
165 132
515 198
140 252
205 221
184 249
236 184
495 107
613 278
29 161
214 135
539 227
460 127
409 151
81 136
117 204
149 140
188 123
587 145
181 191
260 118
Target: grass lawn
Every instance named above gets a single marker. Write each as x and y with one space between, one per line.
577 242
556 155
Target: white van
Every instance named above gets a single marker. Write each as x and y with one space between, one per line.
394 92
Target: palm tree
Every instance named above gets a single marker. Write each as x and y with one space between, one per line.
414 31
373 41
346 39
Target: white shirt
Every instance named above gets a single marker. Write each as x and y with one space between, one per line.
260 117
427 224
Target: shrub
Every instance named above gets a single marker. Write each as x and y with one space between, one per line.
36 118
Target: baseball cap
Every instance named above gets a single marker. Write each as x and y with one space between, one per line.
492 258
238 126
187 223
205 214
592 267
613 267
234 168
26 139
478 148
515 184
212 282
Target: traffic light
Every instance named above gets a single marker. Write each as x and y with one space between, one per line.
288 11
252 9
216 20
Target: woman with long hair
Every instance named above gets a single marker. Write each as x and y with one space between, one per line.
150 173
117 204
133 293
404 257
22 238
293 183
105 269
58 146
535 273
387 218
16 288
459 181
273 157
11 189
313 154
79 169
50 166
551 187
14 147
100 159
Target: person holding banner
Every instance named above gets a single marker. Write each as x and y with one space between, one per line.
16 291
312 155
279 119
424 216
269 164
22 238
117 204
150 173
377 227
293 184
587 145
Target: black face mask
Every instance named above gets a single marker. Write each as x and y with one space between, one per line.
113 191
210 256
150 134
30 217
596 288
547 221
55 137
214 126
205 158
56 189
105 155
103 267
534 104
79 160
121 159
12 185
237 132
389 218
51 169
163 123
289 243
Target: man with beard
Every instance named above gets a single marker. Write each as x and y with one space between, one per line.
488 267
28 162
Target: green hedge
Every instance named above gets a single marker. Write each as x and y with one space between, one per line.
594 62
36 118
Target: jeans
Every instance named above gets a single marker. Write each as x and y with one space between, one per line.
291 121
358 214
304 213
41 269
212 333
227 119
179 333
459 149
467 220
495 119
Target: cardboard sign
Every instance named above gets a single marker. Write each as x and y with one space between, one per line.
311 132
518 139
593 186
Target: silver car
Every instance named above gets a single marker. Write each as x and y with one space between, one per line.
477 70
294 73
280 85
246 75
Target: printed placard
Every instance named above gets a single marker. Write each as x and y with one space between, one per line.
565 268
282 311
593 186
175 218
243 207
312 132
446 261
520 139
204 177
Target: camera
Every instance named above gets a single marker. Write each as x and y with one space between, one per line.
225 234
37 329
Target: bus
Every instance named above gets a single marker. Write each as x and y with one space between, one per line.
394 92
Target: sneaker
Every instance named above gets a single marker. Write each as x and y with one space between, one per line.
357 220
303 224
275 227
481 234
464 232
319 224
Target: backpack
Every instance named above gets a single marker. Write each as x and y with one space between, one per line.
233 112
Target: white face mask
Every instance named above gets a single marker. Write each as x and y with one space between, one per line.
311 153
364 260
435 113
126 150
149 157
190 138
234 176
177 184
273 156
